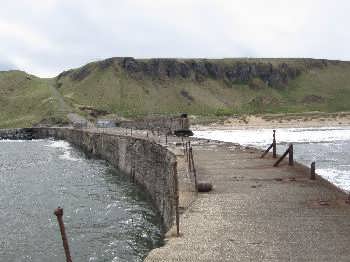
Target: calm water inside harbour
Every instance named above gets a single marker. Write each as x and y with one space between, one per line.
107 218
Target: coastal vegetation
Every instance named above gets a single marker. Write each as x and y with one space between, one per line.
209 88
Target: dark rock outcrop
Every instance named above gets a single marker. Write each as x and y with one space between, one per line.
275 73
233 72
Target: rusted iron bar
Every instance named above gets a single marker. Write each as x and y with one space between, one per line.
188 156
291 153
274 146
59 214
166 139
193 169
266 151
313 169
131 131
133 174
188 153
288 151
189 159
176 189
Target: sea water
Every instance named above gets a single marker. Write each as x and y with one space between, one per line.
107 218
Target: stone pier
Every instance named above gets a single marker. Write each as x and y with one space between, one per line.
258 212
255 212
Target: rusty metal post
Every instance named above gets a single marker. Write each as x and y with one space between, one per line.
291 158
313 173
176 189
188 155
266 151
186 151
131 131
132 174
189 160
288 151
274 147
147 134
59 213
166 139
193 169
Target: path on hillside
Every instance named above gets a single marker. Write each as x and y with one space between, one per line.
66 109
258 213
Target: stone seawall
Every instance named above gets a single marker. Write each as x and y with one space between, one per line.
16 134
152 163
162 124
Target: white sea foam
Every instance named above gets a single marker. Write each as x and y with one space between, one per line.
60 144
263 137
340 178
332 138
65 149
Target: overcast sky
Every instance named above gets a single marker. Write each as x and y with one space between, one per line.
44 37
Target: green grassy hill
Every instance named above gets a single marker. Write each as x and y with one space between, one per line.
129 87
26 100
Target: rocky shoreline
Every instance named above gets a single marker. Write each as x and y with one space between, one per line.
16 134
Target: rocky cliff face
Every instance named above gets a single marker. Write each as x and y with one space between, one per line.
231 71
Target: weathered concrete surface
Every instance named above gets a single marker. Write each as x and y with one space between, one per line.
259 213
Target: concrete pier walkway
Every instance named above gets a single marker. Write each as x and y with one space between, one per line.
257 212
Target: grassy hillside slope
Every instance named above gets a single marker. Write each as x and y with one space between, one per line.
129 87
114 90
26 100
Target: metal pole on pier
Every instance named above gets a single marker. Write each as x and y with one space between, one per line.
176 192
274 147
313 173
59 213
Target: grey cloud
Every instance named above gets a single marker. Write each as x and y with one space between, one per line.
64 34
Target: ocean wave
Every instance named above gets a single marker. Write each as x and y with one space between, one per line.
66 149
263 137
60 144
340 178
